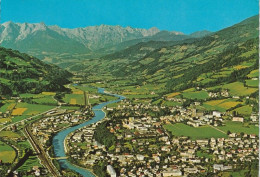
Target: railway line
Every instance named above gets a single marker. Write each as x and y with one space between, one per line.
41 153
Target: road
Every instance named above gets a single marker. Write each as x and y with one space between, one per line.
41 153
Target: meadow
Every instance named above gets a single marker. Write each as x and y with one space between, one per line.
28 165
204 132
7 153
238 127
200 95
244 110
252 83
238 89
221 105
254 73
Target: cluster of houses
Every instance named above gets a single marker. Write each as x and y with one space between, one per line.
55 122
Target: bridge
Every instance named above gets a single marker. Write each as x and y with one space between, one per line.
59 158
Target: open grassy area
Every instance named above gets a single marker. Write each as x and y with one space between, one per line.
203 132
42 98
4 120
171 103
86 88
244 110
33 109
238 89
18 111
252 83
32 161
8 105
49 93
203 154
221 105
240 173
74 99
238 127
7 153
173 94
254 73
9 134
196 95
48 99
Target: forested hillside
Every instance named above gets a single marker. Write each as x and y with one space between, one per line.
21 73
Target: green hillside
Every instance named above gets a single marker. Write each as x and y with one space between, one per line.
21 73
222 62
231 47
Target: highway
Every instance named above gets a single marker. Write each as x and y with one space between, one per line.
41 153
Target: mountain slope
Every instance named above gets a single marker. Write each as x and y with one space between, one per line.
234 48
21 73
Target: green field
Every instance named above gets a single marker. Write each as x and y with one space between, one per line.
240 173
204 132
244 110
170 103
237 127
87 88
200 95
252 83
203 154
33 109
4 120
9 134
221 105
43 98
238 89
254 73
8 105
7 153
32 161
49 100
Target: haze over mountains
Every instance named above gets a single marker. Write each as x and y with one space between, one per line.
38 38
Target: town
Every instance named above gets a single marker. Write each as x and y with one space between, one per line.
143 147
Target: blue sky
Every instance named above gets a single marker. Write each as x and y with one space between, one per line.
173 15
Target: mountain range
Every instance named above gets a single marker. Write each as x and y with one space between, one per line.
40 40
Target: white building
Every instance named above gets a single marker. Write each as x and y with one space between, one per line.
216 113
238 119
111 171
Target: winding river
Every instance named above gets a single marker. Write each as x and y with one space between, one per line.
58 140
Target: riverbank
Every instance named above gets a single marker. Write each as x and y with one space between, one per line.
58 140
